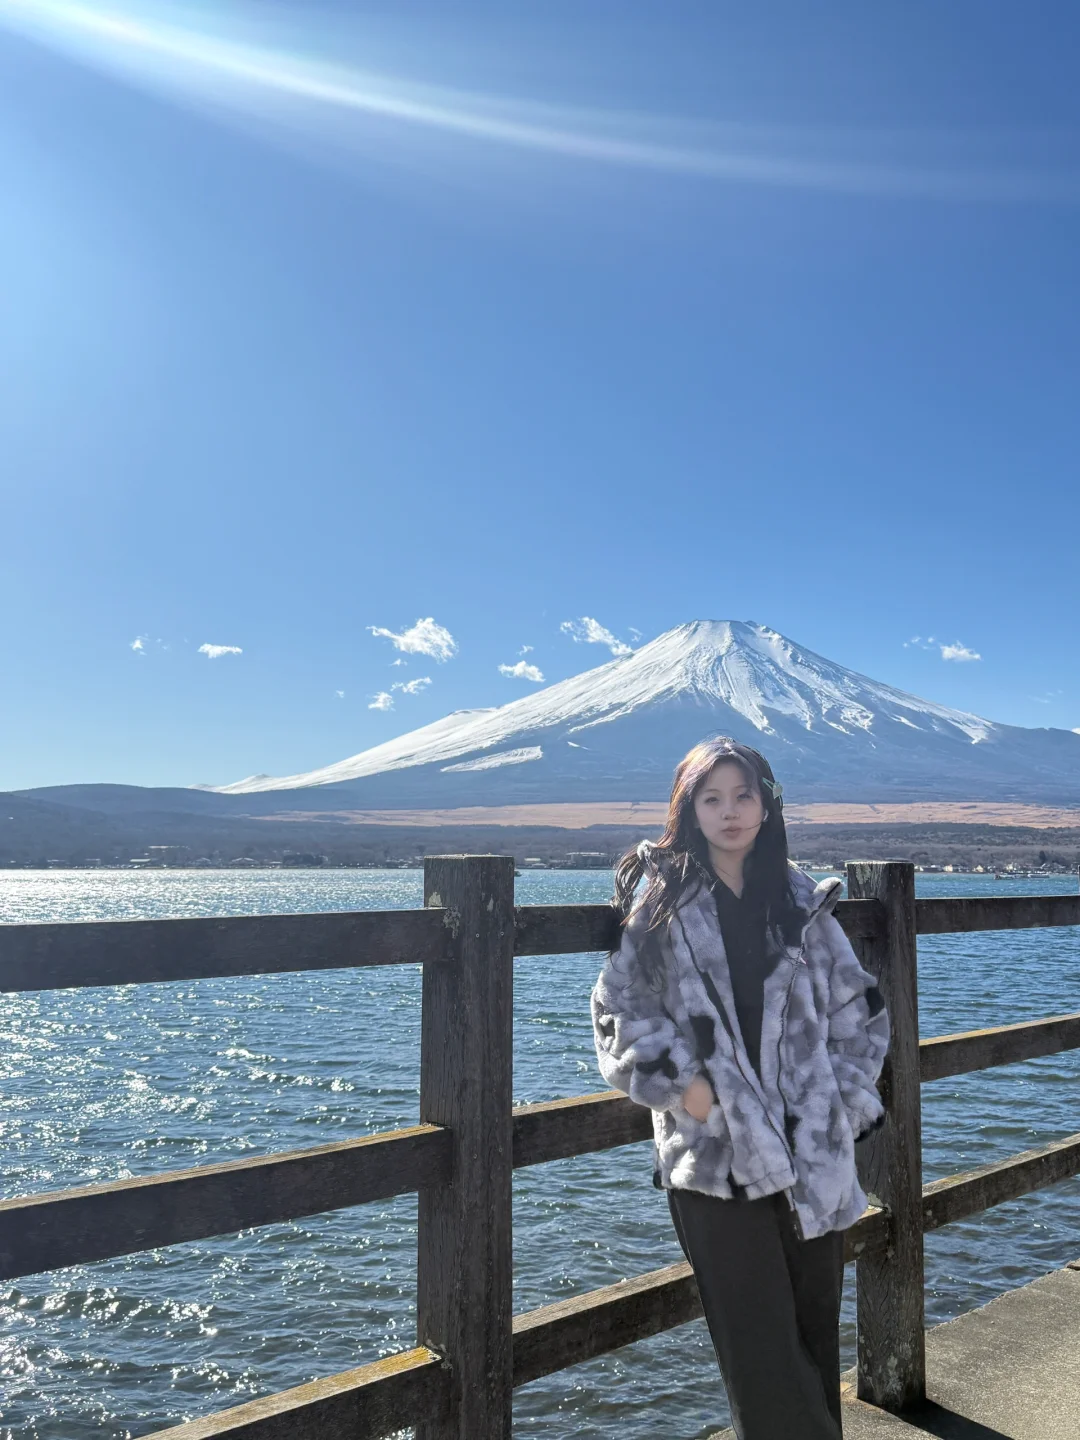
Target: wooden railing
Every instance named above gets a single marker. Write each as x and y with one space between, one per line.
471 1350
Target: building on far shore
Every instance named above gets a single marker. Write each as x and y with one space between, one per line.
587 860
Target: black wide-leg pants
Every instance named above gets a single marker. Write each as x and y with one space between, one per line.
772 1302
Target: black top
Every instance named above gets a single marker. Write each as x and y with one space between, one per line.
742 925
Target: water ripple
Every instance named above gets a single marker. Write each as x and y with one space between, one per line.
110 1083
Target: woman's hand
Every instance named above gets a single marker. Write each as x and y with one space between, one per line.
697 1098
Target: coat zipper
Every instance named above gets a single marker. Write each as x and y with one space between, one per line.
783 1097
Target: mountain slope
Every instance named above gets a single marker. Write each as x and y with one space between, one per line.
616 732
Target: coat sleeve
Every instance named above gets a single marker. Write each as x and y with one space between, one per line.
640 1048
858 1032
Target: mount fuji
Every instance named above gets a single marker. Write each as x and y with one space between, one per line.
616 733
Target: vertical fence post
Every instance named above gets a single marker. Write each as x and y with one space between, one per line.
890 1297
464 1250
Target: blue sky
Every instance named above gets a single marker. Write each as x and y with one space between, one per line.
342 317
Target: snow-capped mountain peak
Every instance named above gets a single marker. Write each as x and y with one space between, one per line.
622 727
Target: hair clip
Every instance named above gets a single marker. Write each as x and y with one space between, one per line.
775 789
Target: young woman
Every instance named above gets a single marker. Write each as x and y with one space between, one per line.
737 1011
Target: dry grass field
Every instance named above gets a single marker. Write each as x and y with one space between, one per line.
581 815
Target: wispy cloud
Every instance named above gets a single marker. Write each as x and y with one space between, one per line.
340 694
215 652
525 650
412 687
587 631
956 651
423 638
139 644
228 70
382 701
959 652
523 671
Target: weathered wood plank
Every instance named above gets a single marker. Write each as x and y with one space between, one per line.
99 1222
557 1129
945 1055
890 1303
862 917
958 1196
573 929
127 952
465 1230
572 1331
564 929
951 916
362 1404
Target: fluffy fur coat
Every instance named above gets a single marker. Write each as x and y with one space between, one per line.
824 1035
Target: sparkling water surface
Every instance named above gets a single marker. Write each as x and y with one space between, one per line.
106 1083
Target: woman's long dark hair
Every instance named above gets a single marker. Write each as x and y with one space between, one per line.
680 858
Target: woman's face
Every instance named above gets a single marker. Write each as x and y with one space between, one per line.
729 809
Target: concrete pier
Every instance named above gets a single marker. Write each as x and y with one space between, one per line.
1008 1371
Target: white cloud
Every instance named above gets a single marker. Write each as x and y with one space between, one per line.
522 671
948 652
525 650
959 652
590 632
1077 730
340 694
412 687
423 638
382 701
214 652
139 644
635 634
398 661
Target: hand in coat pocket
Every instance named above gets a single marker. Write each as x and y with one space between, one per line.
698 1098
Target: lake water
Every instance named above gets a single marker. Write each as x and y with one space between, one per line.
101 1084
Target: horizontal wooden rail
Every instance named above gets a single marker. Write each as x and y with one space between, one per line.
568 929
573 929
958 1196
954 915
362 1404
584 1326
100 1222
564 929
961 1054
127 952
557 1129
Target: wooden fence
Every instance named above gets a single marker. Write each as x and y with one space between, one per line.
471 1349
